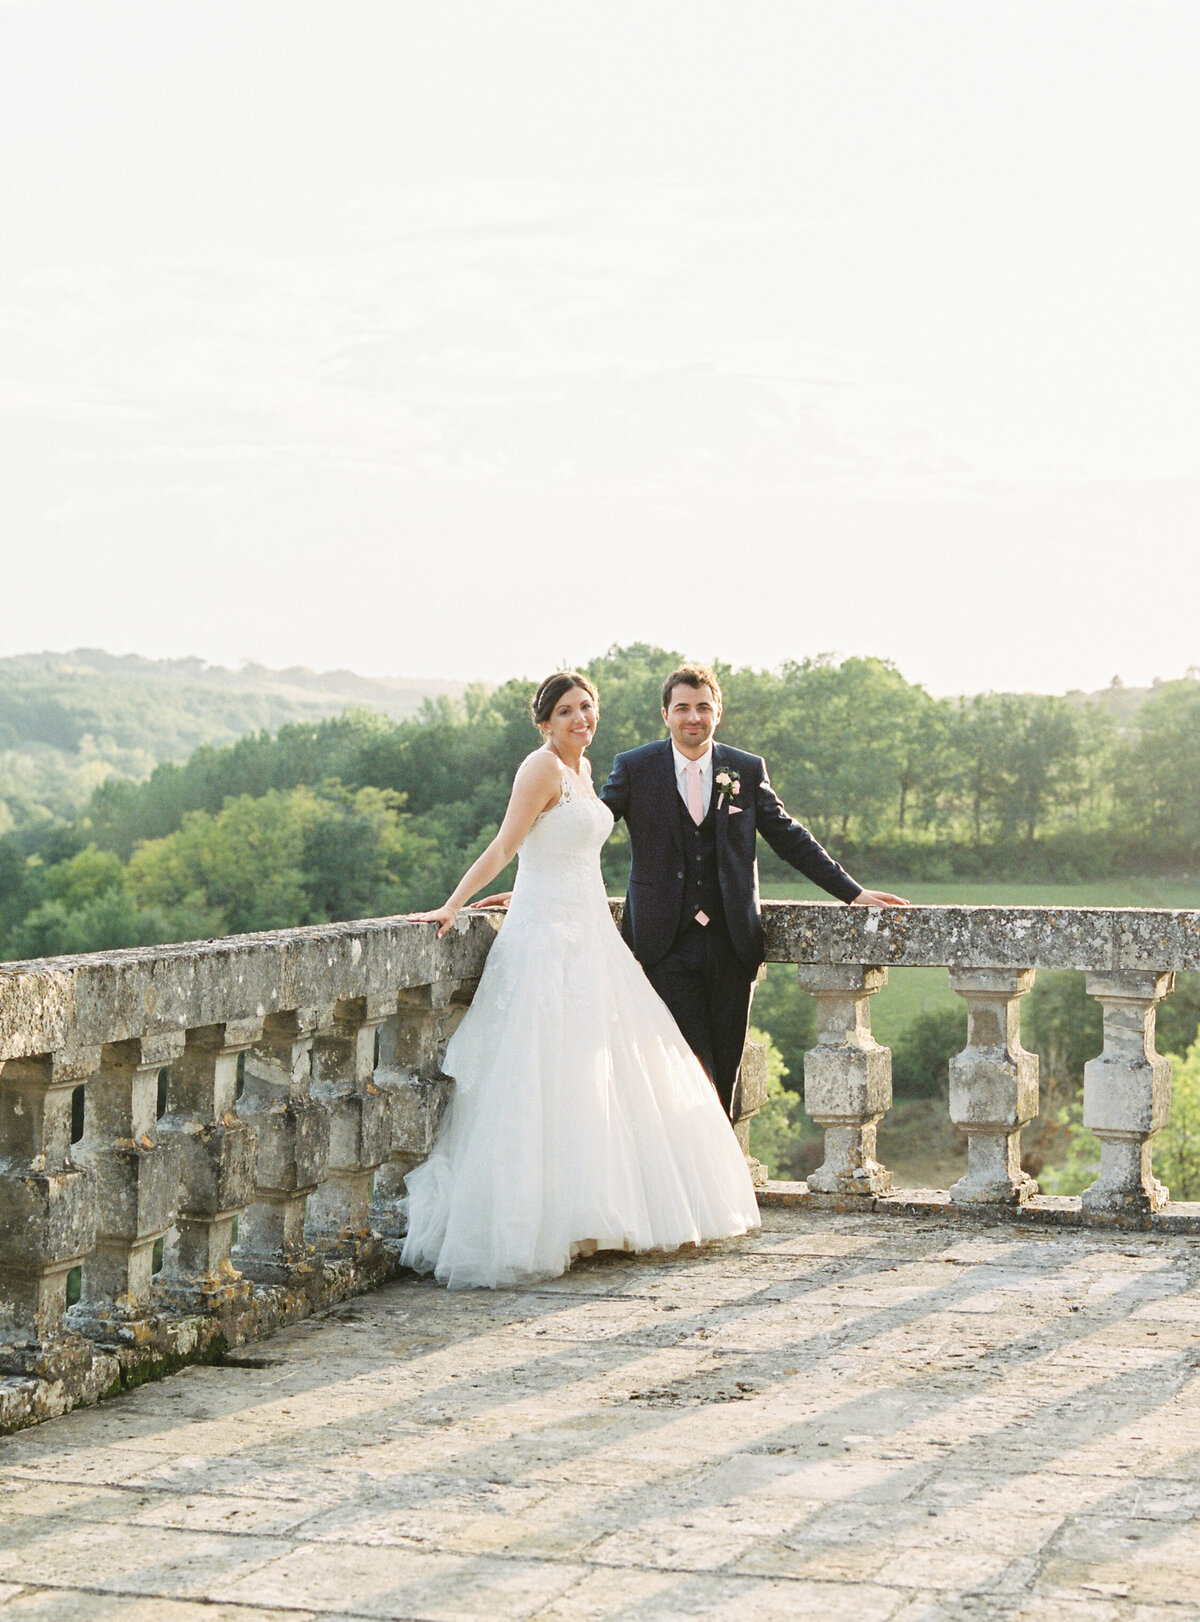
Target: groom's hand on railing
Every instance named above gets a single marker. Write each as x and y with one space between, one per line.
879 898
500 899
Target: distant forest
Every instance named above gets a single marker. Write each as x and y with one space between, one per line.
69 721
332 816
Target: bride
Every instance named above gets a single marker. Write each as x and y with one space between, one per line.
580 1119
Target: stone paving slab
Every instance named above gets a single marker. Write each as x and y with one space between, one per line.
842 1415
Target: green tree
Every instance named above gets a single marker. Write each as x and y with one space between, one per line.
361 856
83 877
838 739
630 684
245 863
1080 1166
925 767
20 890
780 1130
1092 801
977 738
922 1052
289 857
1039 761
1065 1028
1177 1145
1018 761
1157 773
788 1015
1179 1015
104 923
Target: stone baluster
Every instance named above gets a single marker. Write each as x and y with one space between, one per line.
360 1126
1126 1095
749 1097
292 1129
47 1202
136 1174
847 1079
218 1154
993 1087
418 1092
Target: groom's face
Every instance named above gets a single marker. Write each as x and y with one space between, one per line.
691 715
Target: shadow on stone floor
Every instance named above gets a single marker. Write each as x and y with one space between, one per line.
672 1425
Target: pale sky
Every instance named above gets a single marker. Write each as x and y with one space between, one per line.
468 339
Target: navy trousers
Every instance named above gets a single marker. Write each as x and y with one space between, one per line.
705 985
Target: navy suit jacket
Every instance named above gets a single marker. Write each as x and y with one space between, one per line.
643 790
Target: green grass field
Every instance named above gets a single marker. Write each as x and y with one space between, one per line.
910 990
966 893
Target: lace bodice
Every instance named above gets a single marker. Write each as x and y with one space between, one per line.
558 868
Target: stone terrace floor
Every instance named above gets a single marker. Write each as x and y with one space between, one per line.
844 1417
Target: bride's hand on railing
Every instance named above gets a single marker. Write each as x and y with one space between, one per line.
442 916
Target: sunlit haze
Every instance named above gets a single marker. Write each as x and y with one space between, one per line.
462 340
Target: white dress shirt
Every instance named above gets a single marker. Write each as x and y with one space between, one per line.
706 775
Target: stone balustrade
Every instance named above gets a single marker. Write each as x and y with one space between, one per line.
199 1143
992 954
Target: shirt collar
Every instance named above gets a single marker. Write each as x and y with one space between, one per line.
682 762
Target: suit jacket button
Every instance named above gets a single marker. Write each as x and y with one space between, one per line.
679 875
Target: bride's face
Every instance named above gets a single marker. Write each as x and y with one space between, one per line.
573 722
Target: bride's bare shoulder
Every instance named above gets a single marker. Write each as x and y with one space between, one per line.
540 767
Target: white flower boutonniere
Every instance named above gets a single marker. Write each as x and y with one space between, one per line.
728 784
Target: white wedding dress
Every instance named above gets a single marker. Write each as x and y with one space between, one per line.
580 1118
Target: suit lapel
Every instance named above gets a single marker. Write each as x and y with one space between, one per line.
669 788
722 807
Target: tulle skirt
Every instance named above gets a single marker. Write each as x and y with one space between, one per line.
580 1119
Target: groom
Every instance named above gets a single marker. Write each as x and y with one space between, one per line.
692 917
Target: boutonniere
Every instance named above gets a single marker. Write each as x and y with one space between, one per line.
729 784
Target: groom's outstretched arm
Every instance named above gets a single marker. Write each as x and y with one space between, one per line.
615 792
791 840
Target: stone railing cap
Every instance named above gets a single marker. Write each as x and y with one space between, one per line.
50 1003
1098 938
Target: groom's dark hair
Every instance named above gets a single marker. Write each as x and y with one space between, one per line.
690 676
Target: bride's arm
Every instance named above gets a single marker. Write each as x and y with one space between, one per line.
503 897
535 789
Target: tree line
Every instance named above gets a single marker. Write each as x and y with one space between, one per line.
70 721
362 814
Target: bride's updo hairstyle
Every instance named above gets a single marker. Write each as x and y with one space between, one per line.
552 689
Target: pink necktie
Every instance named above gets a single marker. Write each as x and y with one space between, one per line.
695 792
